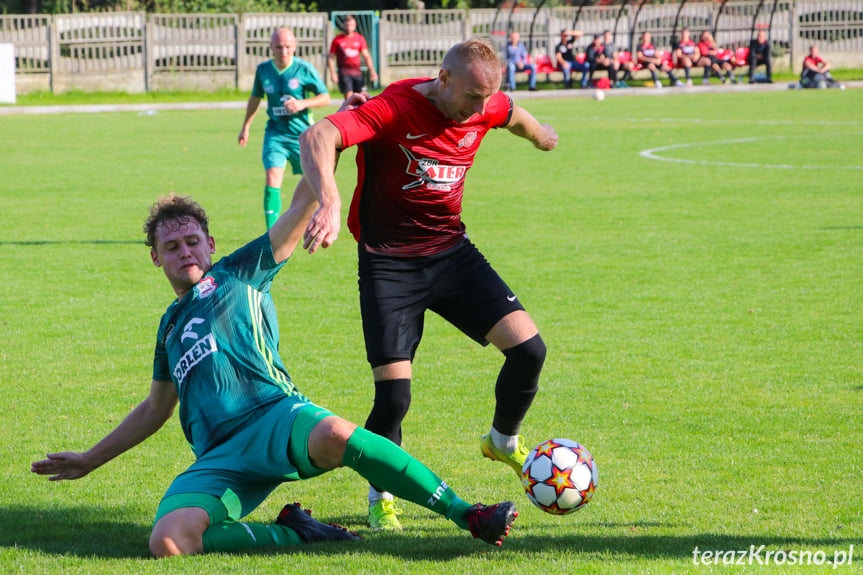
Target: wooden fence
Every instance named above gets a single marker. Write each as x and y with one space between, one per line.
413 43
138 52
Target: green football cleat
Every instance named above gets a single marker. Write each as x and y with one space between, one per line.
382 516
514 459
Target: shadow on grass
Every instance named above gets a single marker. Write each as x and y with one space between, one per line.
93 532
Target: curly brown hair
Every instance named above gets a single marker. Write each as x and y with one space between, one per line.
179 209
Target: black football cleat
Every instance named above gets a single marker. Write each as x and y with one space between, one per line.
491 523
311 530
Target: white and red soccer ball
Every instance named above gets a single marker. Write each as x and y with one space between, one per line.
559 476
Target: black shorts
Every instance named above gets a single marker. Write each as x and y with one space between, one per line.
458 284
351 83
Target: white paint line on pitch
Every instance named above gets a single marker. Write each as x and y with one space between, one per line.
608 119
651 154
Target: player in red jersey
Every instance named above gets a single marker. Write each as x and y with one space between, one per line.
709 51
345 53
816 72
687 54
417 141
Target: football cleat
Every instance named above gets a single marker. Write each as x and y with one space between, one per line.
491 523
382 516
311 530
515 459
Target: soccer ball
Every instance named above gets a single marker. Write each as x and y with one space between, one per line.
559 476
598 95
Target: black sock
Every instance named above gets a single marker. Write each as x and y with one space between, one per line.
517 384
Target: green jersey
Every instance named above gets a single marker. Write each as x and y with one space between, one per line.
299 81
219 345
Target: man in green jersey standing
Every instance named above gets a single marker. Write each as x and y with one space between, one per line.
250 428
293 88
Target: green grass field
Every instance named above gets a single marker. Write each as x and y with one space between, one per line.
703 319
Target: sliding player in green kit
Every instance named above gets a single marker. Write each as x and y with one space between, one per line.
249 427
292 88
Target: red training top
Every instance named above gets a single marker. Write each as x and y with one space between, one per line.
347 50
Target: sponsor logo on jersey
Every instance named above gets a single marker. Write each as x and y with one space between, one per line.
189 330
206 287
199 350
468 140
431 173
352 52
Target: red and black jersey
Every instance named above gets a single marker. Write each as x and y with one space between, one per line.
647 50
687 47
412 163
347 50
813 61
707 49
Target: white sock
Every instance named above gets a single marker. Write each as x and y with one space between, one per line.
375 495
506 443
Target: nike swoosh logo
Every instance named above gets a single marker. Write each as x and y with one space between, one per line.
511 298
412 137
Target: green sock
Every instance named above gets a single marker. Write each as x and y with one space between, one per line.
391 468
272 205
230 536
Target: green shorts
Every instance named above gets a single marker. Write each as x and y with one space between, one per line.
235 477
279 149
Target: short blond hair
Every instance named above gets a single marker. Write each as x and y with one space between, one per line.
471 52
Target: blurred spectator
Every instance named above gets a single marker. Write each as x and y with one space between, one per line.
566 60
594 56
517 60
710 60
649 59
609 61
816 72
759 53
687 54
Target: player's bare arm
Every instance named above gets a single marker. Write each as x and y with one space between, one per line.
285 234
331 65
145 420
318 149
524 125
370 64
251 110
293 105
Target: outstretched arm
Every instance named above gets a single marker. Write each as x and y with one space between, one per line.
318 152
288 229
524 125
145 420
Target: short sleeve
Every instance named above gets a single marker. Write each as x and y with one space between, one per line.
371 120
252 264
257 87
